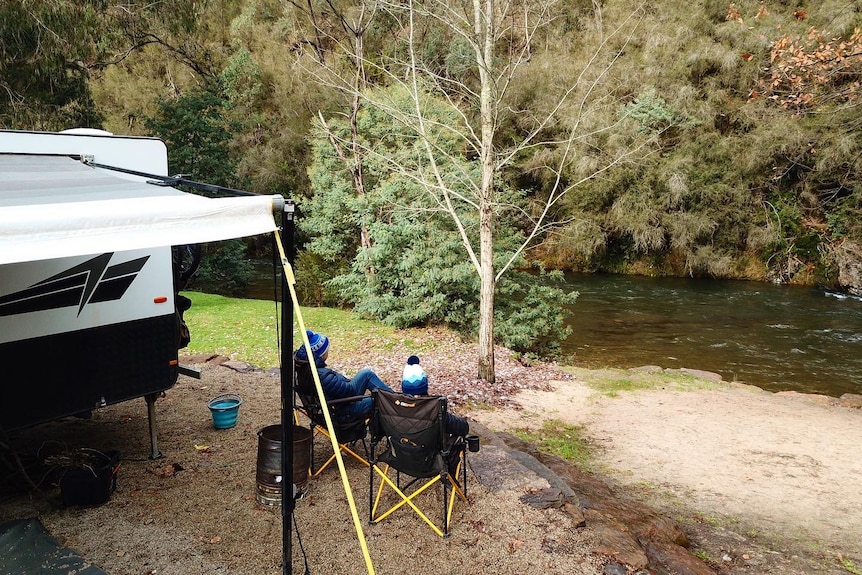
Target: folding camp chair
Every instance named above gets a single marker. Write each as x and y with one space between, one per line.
418 446
350 429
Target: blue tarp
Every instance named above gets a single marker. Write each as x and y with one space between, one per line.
26 548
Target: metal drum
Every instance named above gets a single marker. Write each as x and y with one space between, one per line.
268 490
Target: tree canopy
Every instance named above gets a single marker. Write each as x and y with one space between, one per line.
716 138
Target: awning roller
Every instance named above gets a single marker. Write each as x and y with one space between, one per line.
54 206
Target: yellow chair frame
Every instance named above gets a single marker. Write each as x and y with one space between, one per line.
407 499
310 407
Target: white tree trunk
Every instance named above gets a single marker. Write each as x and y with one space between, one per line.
483 22
486 295
490 29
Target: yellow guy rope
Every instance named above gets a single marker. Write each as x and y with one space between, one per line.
291 281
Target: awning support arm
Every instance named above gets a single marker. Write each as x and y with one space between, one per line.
177 180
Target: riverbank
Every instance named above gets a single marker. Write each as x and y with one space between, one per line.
768 476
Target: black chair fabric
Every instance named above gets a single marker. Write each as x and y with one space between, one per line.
416 443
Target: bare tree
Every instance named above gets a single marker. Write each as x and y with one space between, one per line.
353 20
597 12
499 38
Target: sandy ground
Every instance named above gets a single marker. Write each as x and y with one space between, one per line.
786 467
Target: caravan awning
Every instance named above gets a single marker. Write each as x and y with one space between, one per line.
55 206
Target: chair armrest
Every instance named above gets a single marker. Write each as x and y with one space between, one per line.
343 400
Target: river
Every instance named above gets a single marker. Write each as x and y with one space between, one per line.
774 336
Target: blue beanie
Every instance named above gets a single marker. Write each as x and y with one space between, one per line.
414 381
319 345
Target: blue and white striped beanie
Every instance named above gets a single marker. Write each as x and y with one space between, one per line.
319 346
413 380
319 343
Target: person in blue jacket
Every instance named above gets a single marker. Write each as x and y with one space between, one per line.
336 385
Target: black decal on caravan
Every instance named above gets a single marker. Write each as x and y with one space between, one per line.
77 286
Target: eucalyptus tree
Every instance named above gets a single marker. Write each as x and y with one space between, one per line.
338 28
46 50
487 44
420 275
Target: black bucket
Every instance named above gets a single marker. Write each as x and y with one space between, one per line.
268 489
93 480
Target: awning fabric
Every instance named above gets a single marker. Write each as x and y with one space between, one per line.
55 206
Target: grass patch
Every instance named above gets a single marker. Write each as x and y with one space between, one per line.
612 382
851 567
560 439
709 520
247 329
704 556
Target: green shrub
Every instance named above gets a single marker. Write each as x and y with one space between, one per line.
224 270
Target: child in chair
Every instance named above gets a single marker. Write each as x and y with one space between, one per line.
414 381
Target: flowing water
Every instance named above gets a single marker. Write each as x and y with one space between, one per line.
773 336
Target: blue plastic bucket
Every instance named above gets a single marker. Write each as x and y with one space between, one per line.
225 409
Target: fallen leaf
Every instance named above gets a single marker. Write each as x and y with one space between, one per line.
168 470
165 471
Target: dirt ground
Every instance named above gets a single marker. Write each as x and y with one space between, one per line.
767 483
195 510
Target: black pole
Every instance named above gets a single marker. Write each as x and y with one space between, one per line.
286 375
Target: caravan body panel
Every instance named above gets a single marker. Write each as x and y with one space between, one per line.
63 295
88 330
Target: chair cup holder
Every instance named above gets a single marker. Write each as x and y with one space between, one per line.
472 443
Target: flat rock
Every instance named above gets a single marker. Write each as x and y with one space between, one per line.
615 541
240 366
497 470
675 559
549 498
851 400
649 368
197 358
698 373
814 397
629 532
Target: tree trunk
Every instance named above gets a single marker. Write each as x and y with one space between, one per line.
486 294
484 29
597 12
359 86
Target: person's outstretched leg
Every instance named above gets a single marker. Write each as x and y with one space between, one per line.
366 379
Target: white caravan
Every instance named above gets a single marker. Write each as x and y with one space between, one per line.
88 275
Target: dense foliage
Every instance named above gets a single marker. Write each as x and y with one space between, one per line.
722 139
45 48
